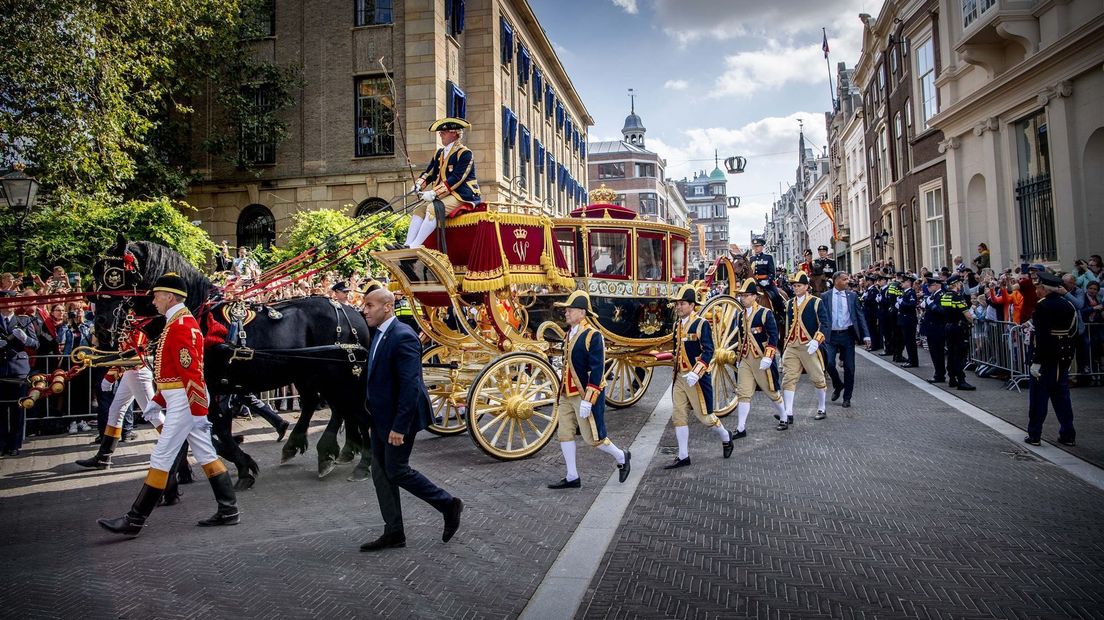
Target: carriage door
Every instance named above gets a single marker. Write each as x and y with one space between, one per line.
678 259
651 256
256 227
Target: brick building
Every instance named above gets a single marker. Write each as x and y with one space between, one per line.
486 60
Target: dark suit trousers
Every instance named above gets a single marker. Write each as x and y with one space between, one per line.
390 471
842 344
12 416
1052 386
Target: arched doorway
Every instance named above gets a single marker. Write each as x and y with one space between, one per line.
256 227
1091 222
369 205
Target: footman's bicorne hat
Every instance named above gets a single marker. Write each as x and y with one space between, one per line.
687 293
449 124
799 278
171 283
747 286
578 299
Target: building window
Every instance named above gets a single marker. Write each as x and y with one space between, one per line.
507 51
509 136
649 204
373 12
259 20
611 171
645 170
523 159
375 117
538 86
973 9
883 159
256 227
933 221
525 65
925 75
902 144
369 206
1034 199
255 146
718 210
454 17
456 101
699 190
717 190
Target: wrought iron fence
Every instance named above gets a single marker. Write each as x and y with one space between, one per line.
1036 207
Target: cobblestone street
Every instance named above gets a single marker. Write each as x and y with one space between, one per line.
898 507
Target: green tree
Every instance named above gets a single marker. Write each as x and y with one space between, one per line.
331 230
74 232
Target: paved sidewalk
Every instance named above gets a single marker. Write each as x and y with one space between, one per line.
1011 406
897 507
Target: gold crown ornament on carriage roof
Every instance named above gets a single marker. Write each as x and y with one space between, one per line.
603 195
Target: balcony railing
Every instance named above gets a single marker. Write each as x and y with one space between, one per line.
1036 207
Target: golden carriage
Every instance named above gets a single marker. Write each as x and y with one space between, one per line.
486 305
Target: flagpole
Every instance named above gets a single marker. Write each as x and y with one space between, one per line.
827 61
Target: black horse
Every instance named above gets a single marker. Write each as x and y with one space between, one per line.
315 343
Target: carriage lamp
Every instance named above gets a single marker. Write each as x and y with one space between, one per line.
735 165
21 193
733 202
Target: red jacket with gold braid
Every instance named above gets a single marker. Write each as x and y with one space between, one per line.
136 340
179 362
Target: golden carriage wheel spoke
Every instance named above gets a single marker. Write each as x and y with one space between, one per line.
520 384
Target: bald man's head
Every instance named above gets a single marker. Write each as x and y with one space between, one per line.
379 305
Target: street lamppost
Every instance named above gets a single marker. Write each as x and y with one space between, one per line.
21 192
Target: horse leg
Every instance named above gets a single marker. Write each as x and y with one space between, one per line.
359 435
297 439
228 448
328 447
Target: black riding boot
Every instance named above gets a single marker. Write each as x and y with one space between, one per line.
227 513
102 459
131 523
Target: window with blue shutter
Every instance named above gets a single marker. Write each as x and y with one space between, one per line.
456 104
525 63
509 126
538 85
559 115
549 98
525 152
454 17
582 147
539 159
507 42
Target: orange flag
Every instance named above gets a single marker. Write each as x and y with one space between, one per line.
830 211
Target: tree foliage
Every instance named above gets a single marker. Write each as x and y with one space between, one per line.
95 96
74 232
329 229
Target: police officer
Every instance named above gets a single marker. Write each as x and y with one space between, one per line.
935 327
956 313
764 271
824 264
869 302
1053 345
906 320
885 303
581 401
692 389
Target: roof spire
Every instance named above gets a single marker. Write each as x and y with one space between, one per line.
632 101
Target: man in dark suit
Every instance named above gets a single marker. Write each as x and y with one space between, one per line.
17 336
398 407
848 327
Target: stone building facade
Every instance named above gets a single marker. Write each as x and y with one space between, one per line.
356 143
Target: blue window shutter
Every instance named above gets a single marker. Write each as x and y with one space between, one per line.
524 64
458 16
507 42
559 114
540 156
456 103
549 99
512 131
582 147
538 83
525 152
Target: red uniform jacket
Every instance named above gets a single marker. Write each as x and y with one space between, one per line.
179 363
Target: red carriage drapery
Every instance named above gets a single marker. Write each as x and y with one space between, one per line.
492 250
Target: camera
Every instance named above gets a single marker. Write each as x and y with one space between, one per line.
72 315
28 282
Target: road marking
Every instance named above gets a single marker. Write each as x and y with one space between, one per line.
565 584
1074 465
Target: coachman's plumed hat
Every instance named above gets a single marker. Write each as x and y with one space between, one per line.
171 283
687 293
449 124
799 278
747 286
578 299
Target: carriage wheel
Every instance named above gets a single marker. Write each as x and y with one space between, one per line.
724 317
625 383
511 411
445 397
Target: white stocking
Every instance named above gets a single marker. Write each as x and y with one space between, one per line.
787 403
723 432
822 396
415 224
568 449
613 451
742 411
428 226
682 434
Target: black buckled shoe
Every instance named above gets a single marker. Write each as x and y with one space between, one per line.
738 434
677 463
820 415
452 519
847 404
624 468
782 426
1067 442
726 448
386 541
564 483
99 461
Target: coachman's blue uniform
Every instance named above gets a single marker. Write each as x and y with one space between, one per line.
584 377
1053 344
694 353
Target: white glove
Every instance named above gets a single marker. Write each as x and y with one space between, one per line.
20 334
105 386
428 195
1036 370
813 346
418 185
149 414
584 410
878 299
765 363
898 304
692 378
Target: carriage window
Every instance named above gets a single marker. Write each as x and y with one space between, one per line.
565 239
649 256
607 254
678 259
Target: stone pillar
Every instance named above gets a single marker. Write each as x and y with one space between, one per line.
1064 177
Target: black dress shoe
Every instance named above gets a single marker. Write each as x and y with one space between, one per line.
782 426
791 421
564 483
452 519
935 380
13 452
738 434
966 387
726 448
171 500
1067 442
675 464
820 415
624 468
908 365
387 541
219 518
1034 441
952 383
846 404
836 393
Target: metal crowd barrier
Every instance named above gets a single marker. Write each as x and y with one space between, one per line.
999 349
1089 363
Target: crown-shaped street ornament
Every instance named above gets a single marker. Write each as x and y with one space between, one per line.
603 195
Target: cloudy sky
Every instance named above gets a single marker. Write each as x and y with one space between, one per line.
730 75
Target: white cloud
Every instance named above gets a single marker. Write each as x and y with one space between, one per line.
691 20
748 72
628 5
676 84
